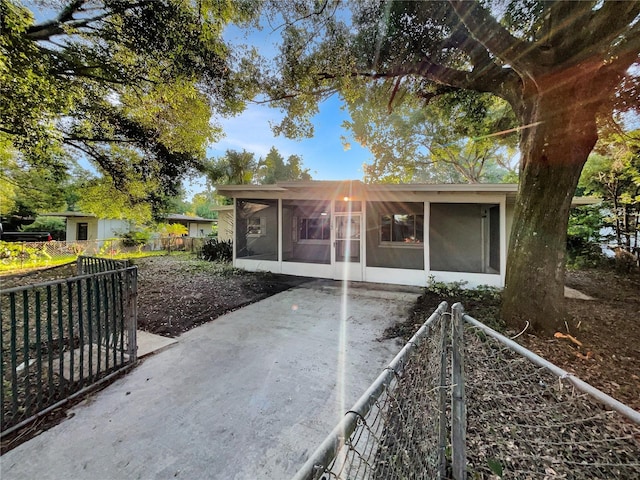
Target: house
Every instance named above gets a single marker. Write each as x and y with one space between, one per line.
86 226
348 230
224 222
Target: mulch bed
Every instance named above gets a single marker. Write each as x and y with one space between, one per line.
177 293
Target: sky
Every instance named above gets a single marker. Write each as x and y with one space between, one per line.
325 155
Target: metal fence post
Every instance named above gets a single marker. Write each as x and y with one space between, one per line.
442 398
458 405
133 313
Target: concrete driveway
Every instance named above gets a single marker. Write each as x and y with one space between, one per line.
247 396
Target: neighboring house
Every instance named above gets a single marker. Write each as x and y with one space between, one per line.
349 230
225 222
86 226
196 226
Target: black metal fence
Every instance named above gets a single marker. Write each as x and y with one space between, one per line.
60 338
86 265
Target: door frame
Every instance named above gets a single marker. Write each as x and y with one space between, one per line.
349 271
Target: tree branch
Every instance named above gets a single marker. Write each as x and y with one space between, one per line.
65 20
76 138
627 51
607 23
460 40
519 54
497 81
611 36
54 27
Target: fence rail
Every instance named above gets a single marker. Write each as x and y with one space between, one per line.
529 418
59 338
462 401
87 265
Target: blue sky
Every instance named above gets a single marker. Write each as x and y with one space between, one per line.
324 154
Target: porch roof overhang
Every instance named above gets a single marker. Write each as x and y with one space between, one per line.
69 214
357 190
177 217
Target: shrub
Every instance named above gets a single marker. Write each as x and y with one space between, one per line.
217 250
482 302
584 237
134 239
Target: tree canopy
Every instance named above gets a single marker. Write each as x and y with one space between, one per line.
613 174
129 86
240 168
273 168
450 140
559 65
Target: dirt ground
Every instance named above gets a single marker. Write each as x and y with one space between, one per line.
608 328
177 293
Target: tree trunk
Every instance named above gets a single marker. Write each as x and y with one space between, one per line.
554 151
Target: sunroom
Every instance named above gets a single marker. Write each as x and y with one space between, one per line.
401 234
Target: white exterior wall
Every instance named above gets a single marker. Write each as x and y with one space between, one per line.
97 228
110 228
199 229
225 225
397 275
72 228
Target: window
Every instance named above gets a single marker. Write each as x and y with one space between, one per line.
314 228
256 227
83 231
402 228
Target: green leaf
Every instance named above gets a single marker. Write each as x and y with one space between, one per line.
495 466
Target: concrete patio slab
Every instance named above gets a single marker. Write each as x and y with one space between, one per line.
149 343
249 395
575 294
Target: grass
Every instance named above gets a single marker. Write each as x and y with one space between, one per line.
17 266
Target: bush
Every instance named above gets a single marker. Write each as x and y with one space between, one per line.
215 250
584 237
583 253
482 302
133 239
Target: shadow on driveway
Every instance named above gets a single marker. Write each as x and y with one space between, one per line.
247 396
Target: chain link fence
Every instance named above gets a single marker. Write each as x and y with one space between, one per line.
461 401
396 427
524 421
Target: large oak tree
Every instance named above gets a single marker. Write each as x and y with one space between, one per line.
559 65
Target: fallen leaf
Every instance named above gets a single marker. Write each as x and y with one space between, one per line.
571 338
